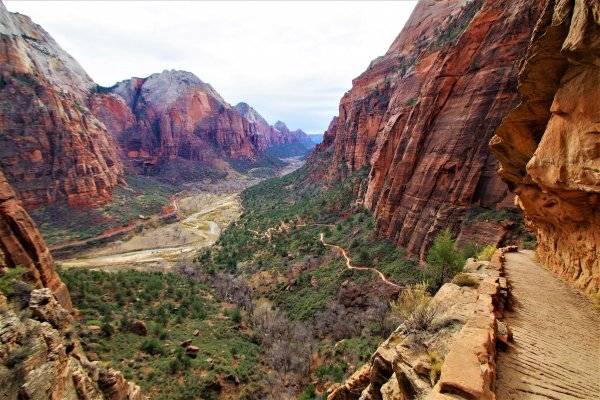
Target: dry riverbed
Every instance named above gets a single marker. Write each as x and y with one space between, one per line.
205 209
203 216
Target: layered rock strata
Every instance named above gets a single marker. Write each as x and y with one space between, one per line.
40 359
549 146
40 355
264 135
22 245
422 115
177 115
63 136
174 114
51 145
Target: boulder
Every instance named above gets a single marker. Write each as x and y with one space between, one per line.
191 351
139 328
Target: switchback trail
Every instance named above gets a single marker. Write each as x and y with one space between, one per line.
556 349
349 265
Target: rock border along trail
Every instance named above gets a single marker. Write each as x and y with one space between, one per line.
555 353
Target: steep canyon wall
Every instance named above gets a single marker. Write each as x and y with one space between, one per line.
549 146
422 115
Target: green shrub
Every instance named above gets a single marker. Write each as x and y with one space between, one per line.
363 256
180 363
152 346
9 278
309 394
443 261
465 280
17 356
436 367
107 329
470 249
486 253
530 243
235 315
415 308
335 371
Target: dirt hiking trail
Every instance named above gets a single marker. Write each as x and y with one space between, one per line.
350 266
556 349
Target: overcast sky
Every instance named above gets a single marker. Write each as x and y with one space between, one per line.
289 60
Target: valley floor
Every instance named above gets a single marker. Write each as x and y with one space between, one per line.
205 208
157 248
556 348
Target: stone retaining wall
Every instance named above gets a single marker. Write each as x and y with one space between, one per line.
469 369
463 338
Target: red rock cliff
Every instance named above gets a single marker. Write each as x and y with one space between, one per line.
178 115
421 116
56 366
22 245
549 146
51 146
175 114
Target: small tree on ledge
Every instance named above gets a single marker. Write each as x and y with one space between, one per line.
443 261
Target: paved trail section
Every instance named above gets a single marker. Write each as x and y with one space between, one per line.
556 349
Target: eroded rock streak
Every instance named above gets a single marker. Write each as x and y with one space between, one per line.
422 115
549 146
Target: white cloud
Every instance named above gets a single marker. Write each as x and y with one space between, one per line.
290 60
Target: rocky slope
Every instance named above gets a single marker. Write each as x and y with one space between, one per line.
41 358
452 356
22 245
51 146
40 355
174 114
549 147
421 117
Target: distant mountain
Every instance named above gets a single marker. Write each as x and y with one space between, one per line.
270 136
316 138
175 115
172 115
63 136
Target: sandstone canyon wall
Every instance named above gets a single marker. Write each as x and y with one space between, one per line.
421 117
174 114
549 146
22 245
265 135
51 146
63 136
